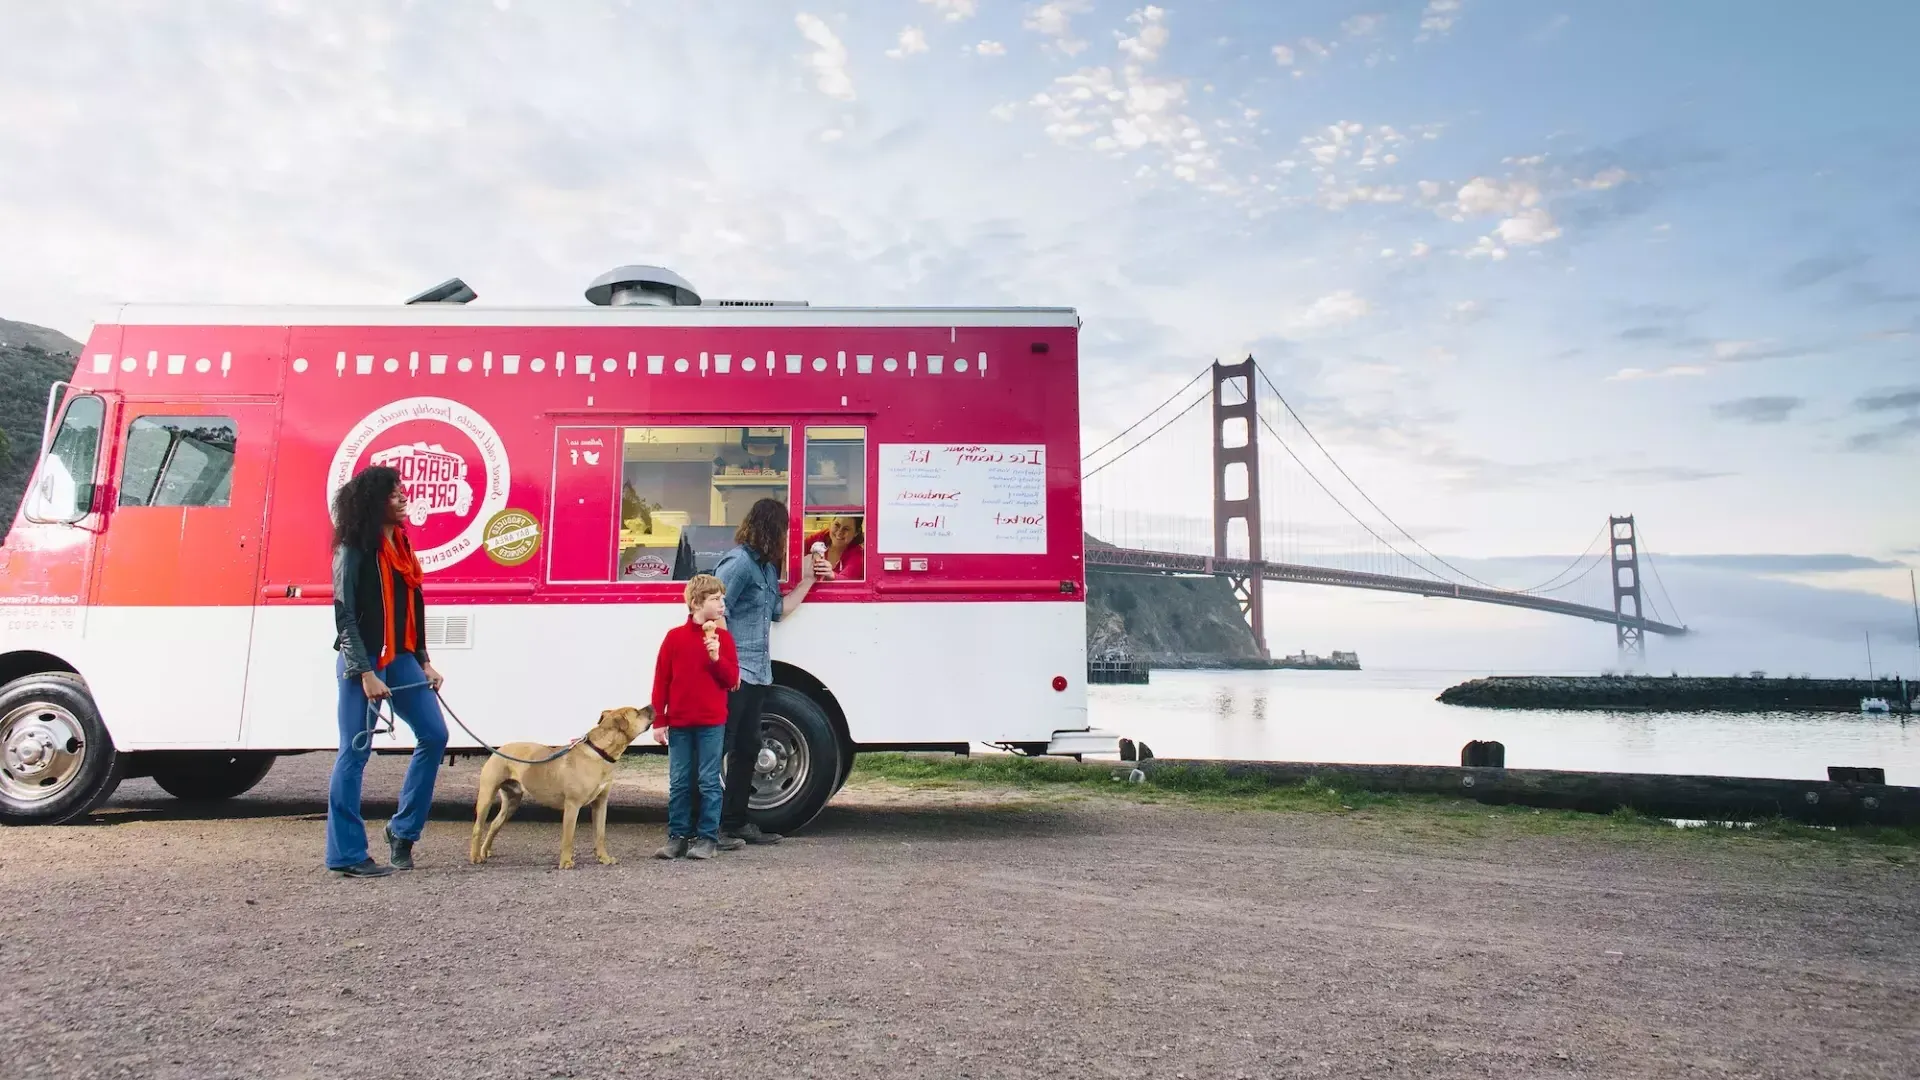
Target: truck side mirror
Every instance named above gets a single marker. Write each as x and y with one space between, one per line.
85 499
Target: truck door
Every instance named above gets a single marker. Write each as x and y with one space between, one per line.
177 575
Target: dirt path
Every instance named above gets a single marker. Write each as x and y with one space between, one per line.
939 934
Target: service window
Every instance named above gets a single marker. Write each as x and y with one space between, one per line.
178 461
683 491
63 487
834 515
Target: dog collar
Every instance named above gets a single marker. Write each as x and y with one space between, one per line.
597 749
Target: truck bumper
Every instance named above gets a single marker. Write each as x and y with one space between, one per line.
1084 741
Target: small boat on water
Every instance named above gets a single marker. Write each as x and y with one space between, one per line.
1875 705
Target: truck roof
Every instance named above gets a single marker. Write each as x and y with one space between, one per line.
628 315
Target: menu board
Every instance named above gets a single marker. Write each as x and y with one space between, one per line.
952 499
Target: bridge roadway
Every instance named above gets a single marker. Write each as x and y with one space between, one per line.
1132 560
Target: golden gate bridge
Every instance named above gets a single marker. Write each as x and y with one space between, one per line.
1263 455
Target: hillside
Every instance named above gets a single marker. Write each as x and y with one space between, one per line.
32 358
17 334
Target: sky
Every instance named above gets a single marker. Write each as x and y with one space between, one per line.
1518 263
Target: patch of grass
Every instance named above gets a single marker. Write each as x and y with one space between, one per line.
1213 788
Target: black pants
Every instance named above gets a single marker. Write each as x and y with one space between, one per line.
743 748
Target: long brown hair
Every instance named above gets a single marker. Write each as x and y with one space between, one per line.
360 508
764 531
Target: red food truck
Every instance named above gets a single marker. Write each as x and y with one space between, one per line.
165 596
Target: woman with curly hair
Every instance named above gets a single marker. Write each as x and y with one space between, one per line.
751 572
379 620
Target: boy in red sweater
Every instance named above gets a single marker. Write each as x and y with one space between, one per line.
696 669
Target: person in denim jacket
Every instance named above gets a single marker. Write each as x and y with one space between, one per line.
751 572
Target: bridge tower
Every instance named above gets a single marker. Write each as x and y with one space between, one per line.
1236 427
1632 640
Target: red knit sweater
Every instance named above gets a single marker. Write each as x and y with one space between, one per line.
690 690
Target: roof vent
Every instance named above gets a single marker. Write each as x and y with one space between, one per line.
450 291
649 286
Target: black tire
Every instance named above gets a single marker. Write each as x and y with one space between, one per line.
806 762
846 767
57 761
211 776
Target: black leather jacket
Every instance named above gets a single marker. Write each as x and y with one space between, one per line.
359 613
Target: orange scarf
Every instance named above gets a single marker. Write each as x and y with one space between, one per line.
397 559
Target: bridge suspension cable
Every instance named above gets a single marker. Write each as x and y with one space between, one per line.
1201 374
1672 610
1577 560
1336 499
1190 407
1363 493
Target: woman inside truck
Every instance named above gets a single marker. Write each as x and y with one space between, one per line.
379 619
844 545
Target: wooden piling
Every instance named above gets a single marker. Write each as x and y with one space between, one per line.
1710 798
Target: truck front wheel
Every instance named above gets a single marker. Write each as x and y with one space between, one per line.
57 761
798 766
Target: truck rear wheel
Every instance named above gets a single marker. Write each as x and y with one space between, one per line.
57 761
798 767
211 776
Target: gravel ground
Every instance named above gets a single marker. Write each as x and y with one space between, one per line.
949 933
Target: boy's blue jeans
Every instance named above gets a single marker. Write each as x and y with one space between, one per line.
693 756
346 831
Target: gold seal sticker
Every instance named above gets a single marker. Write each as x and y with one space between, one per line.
511 537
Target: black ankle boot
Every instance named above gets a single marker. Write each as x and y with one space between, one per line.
399 852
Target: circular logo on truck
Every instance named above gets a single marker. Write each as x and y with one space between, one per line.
452 465
511 537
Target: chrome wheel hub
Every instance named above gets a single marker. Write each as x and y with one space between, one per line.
785 761
41 752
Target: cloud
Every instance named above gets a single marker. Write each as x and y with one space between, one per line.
954 10
1813 271
1668 474
1677 371
1055 20
1906 398
1483 197
828 59
1467 311
1485 248
1363 25
1419 249
1333 309
1604 179
1144 47
1889 437
1895 432
1283 55
1772 409
1131 111
1437 19
1868 294
912 40
990 48
1769 563
1534 226
1647 333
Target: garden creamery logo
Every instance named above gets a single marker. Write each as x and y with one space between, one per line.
454 470
512 537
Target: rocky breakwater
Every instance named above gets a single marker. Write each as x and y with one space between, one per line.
1674 693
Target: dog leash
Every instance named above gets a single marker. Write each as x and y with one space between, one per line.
363 739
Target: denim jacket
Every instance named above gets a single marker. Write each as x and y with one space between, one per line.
753 606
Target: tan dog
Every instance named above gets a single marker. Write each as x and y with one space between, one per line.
581 776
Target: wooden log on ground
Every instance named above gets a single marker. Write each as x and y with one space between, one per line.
1710 798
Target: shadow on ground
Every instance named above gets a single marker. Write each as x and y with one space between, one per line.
297 789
